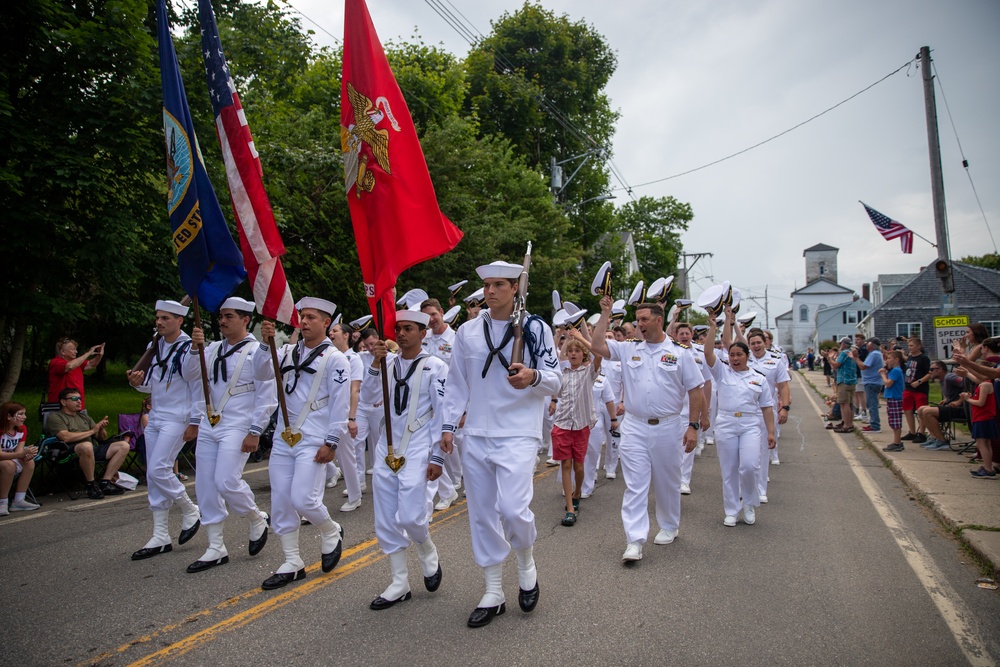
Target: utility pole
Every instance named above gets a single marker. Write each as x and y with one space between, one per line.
943 264
685 283
767 317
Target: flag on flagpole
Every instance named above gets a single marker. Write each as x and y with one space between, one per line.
209 262
260 239
397 222
890 229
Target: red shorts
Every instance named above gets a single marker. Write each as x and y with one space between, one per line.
570 444
913 400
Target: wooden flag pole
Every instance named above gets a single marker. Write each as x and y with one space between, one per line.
213 418
286 435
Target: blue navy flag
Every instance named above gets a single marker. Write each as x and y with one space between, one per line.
210 263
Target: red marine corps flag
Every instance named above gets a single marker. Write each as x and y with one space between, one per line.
397 222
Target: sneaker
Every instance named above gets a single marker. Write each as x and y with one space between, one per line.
93 491
584 495
941 445
749 515
869 429
919 438
446 502
730 521
685 489
895 447
665 536
983 473
23 506
3 510
109 488
699 449
930 443
552 462
763 499
909 436
633 552
775 461
349 506
610 475
709 440
369 471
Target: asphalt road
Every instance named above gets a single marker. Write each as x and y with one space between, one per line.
842 567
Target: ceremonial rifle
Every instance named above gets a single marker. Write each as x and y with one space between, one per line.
518 315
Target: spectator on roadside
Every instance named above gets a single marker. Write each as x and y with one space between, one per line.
860 405
918 376
893 379
983 406
827 368
971 344
847 380
872 381
810 358
90 441
66 369
951 408
15 458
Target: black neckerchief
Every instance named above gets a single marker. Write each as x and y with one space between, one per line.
162 363
498 350
219 365
401 395
304 366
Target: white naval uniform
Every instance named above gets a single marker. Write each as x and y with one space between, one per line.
502 433
600 434
353 468
440 346
613 371
657 379
370 420
297 481
687 465
400 503
177 402
251 401
741 395
776 371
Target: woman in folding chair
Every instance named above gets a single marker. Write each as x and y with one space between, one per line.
15 459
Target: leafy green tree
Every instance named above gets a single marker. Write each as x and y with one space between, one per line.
656 224
987 261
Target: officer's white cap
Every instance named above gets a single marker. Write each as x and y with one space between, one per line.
412 298
559 319
499 269
476 296
322 305
592 320
413 316
361 322
571 308
638 294
172 307
747 318
556 300
236 303
457 286
452 313
602 281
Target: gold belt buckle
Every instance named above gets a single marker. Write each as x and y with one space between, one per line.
653 422
737 414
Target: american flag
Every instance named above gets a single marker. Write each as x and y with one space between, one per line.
260 240
890 229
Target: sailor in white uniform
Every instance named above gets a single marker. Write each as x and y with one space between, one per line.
174 419
316 381
683 332
503 426
352 469
371 416
662 388
438 342
775 369
243 397
416 392
745 404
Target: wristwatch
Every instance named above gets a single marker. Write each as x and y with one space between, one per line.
786 408
694 425
331 445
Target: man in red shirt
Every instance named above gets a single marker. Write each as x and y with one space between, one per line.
66 369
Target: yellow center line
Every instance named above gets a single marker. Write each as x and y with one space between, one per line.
241 619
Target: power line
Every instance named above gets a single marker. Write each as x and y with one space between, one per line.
965 163
780 134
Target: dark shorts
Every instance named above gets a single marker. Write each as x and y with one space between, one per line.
100 451
570 444
947 413
985 430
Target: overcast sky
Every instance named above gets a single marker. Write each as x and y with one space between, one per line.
697 81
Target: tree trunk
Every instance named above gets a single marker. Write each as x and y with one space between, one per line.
15 359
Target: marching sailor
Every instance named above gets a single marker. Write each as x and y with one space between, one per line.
174 420
316 381
416 387
502 433
242 391
353 470
662 388
684 333
438 341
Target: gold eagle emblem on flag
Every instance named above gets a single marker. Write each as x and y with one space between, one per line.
365 130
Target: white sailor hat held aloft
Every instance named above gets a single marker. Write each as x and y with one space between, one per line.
361 322
601 284
451 315
638 294
173 307
412 298
457 287
476 298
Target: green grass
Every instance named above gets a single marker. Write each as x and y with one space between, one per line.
111 396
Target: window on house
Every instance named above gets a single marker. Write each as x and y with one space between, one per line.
908 329
822 268
851 317
803 313
993 327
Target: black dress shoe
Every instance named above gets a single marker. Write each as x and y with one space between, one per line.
282 579
331 559
188 533
144 553
433 582
380 603
109 488
528 599
202 565
258 544
481 616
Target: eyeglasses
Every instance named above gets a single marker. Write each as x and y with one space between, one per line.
72 398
